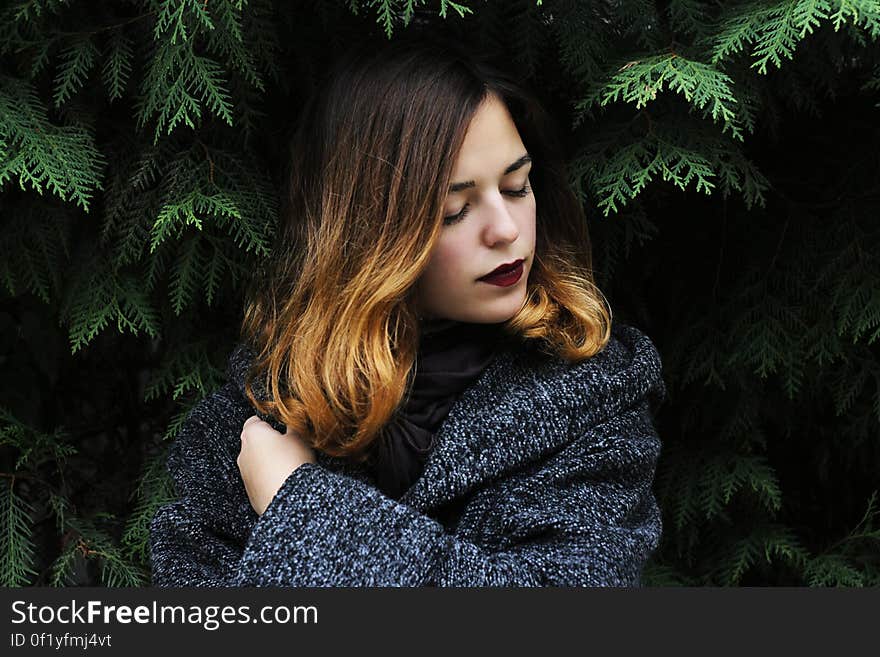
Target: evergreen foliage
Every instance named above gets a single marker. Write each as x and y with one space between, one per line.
727 155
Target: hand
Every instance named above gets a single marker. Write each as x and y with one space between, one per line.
267 458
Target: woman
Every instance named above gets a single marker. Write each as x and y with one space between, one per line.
429 391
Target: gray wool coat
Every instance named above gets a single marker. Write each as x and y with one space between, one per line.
541 476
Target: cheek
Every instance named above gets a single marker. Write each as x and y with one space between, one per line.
531 208
532 220
528 229
447 264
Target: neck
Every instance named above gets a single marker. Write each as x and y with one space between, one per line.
437 324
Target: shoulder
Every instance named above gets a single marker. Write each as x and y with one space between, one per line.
627 347
626 372
629 353
210 433
202 462
629 366
225 401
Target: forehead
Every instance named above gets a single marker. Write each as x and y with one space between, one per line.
491 142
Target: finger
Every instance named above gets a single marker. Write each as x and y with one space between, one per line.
253 419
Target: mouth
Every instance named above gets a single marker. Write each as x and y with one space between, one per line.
502 269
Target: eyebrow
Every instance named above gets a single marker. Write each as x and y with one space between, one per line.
459 186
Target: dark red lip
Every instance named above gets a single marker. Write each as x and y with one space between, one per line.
502 269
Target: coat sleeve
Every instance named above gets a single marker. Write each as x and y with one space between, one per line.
585 517
198 539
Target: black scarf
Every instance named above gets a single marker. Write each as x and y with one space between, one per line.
451 356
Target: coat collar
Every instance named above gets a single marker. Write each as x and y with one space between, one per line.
523 406
485 433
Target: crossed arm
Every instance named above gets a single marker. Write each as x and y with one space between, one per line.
585 517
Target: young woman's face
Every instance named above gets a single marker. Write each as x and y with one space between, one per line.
490 221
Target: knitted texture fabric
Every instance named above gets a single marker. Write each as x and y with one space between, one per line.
547 466
451 356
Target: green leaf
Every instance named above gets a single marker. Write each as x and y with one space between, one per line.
76 62
117 64
64 159
639 81
16 528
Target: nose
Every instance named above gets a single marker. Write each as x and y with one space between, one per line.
500 226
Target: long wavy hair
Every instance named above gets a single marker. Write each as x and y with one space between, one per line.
331 316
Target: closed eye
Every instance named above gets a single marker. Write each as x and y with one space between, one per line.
455 218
